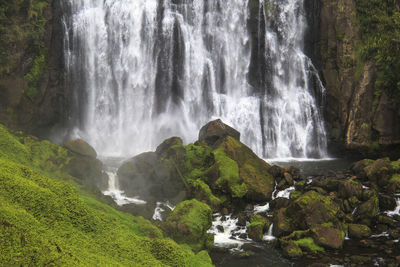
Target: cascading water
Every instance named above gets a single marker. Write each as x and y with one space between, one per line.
145 70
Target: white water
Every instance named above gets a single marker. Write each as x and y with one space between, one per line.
160 208
269 236
142 72
396 211
225 239
118 195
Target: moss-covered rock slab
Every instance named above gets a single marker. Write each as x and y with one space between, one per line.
188 223
359 231
252 170
327 236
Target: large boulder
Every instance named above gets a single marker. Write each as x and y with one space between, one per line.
282 224
84 165
327 236
311 209
359 231
254 171
146 176
257 227
367 210
215 131
80 147
350 188
188 223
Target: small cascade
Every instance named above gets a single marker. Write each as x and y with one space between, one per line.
286 192
160 209
117 194
269 236
396 211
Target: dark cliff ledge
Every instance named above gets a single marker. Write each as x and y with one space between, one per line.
32 94
357 57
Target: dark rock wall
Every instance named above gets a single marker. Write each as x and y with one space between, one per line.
32 93
356 118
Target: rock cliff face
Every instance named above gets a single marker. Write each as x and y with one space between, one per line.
357 117
32 94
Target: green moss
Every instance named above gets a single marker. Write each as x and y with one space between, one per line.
395 165
47 221
188 223
229 180
308 243
380 30
203 192
395 178
295 194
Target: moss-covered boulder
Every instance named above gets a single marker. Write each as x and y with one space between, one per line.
292 250
379 171
311 209
148 177
394 183
188 223
282 224
359 231
201 191
215 131
257 227
327 236
350 188
367 210
252 170
80 147
308 245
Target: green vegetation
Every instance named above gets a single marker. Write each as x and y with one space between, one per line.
22 26
34 75
45 220
188 223
308 244
380 29
229 175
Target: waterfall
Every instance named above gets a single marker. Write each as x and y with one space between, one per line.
144 70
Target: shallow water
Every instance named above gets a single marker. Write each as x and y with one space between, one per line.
315 167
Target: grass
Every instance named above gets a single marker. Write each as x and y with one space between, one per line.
45 220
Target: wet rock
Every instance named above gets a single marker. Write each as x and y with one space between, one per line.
288 178
282 224
292 250
168 143
311 209
215 131
84 165
252 170
394 184
188 223
81 147
242 219
220 228
279 203
257 227
367 210
327 236
386 202
350 188
359 231
147 177
380 171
